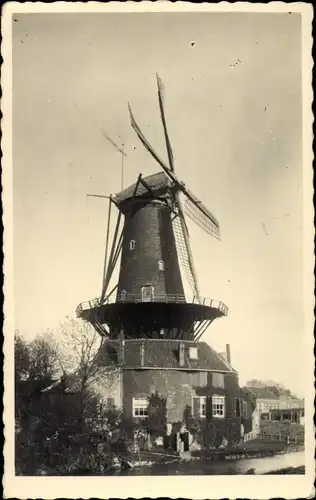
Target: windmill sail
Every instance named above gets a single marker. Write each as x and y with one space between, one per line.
183 244
144 141
199 214
163 119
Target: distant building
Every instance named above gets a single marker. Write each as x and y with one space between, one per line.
268 404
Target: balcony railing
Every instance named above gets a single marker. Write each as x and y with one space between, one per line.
167 299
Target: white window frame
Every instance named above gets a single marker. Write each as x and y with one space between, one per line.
202 406
193 352
140 407
161 265
202 409
132 245
218 406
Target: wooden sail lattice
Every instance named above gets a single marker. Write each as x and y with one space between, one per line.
184 254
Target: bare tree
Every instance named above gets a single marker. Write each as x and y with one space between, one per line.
80 356
44 357
78 349
21 358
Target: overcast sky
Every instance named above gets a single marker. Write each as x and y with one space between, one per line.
233 104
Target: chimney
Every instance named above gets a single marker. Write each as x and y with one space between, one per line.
228 353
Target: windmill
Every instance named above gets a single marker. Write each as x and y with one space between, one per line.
148 300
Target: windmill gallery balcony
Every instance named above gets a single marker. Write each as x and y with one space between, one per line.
166 299
174 315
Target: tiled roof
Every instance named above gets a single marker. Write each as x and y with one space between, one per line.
154 181
165 354
261 393
156 354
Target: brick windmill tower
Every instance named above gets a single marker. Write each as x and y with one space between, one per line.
152 330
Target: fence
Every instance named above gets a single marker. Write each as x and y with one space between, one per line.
286 438
167 299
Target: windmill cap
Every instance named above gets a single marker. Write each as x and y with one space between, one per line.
156 182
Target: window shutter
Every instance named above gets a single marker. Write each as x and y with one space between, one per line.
209 408
237 407
196 407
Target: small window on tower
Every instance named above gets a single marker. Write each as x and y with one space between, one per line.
132 245
147 293
161 265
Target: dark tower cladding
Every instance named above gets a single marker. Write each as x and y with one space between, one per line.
149 262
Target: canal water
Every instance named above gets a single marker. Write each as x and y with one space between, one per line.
224 467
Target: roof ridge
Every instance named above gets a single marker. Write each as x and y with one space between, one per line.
255 390
222 358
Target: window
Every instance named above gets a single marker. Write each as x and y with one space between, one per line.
110 401
161 265
147 293
203 406
193 352
218 406
245 409
123 294
199 406
162 331
218 380
140 407
132 245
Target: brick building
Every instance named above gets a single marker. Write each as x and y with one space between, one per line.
193 381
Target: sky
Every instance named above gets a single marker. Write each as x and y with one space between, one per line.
233 104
